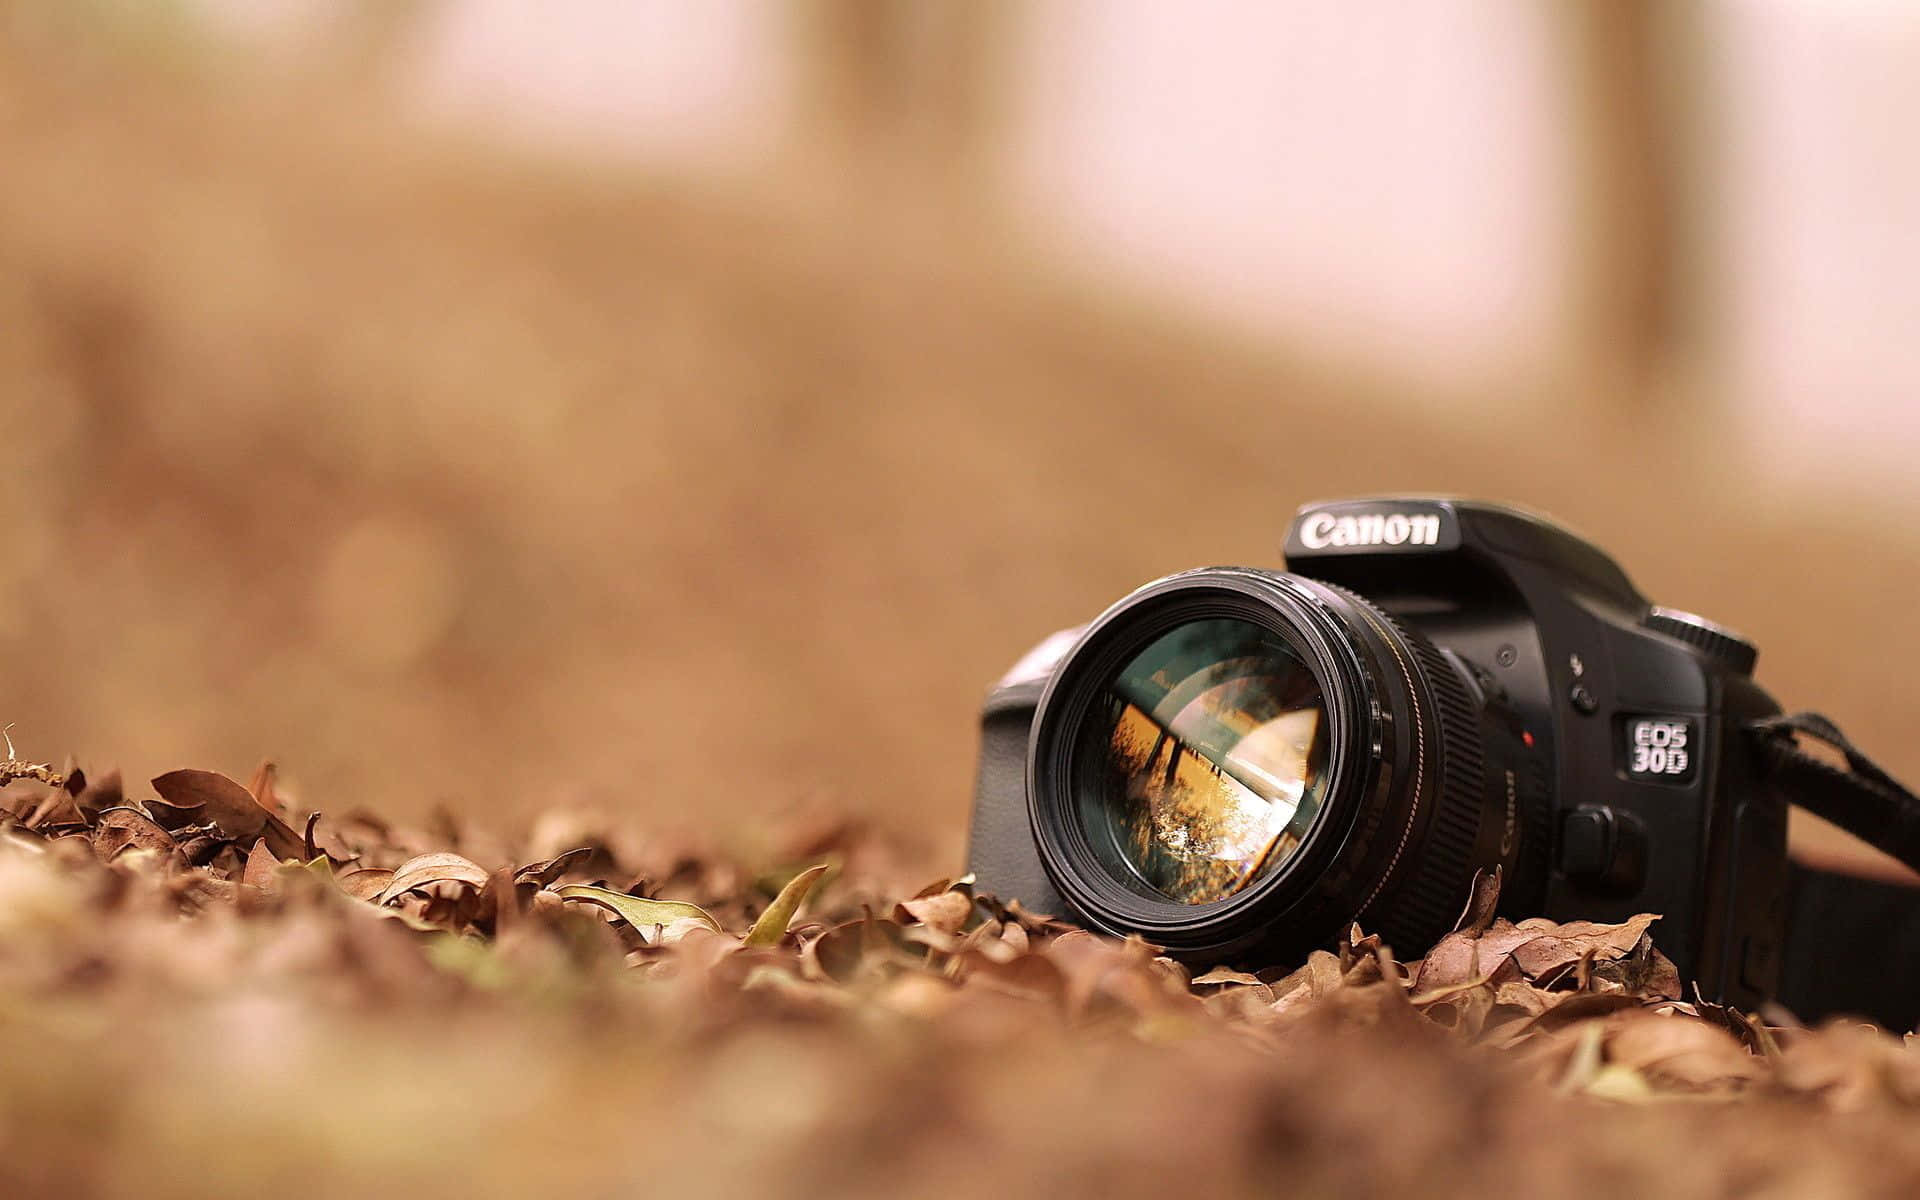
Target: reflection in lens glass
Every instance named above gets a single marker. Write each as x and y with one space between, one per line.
1213 748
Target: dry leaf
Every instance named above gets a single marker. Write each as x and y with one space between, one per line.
541 874
945 911
119 829
426 870
366 883
261 865
229 806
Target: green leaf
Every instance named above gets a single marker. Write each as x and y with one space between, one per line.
640 913
772 924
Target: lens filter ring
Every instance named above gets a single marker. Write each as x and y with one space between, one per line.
1188 715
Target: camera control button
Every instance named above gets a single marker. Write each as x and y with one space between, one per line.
1586 842
1582 698
1712 640
1603 849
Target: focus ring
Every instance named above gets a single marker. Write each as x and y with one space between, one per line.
1425 889
1441 877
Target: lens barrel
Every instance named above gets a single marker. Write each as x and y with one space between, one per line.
1380 808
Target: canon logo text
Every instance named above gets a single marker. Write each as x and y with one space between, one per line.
1322 529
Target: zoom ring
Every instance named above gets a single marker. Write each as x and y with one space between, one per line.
1426 889
1439 876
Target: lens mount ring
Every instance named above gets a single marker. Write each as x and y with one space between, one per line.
1376 733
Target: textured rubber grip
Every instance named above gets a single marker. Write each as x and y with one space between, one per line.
1441 874
1426 888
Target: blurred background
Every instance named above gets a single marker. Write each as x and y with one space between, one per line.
690 409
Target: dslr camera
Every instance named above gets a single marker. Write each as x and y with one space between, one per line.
1236 763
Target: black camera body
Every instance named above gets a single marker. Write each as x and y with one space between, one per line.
1492 692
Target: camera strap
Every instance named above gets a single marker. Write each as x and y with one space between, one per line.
1861 799
1852 943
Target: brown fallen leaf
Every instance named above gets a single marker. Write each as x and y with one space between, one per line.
541 874
1229 992
175 816
845 952
1319 977
57 807
261 865
425 870
1224 975
1013 934
1034 923
1523 1000
229 806
198 848
1482 901
1579 1006
1562 945
121 829
1674 1051
945 911
1464 1010
1643 972
365 883
1028 977
1536 948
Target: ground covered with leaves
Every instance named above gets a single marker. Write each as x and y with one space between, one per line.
208 990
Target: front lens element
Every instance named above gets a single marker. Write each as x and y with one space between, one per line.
1206 761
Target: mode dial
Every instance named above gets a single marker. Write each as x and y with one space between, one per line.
1715 641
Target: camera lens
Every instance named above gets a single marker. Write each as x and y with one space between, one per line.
1231 760
1212 745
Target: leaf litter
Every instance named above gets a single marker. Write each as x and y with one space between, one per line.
210 987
